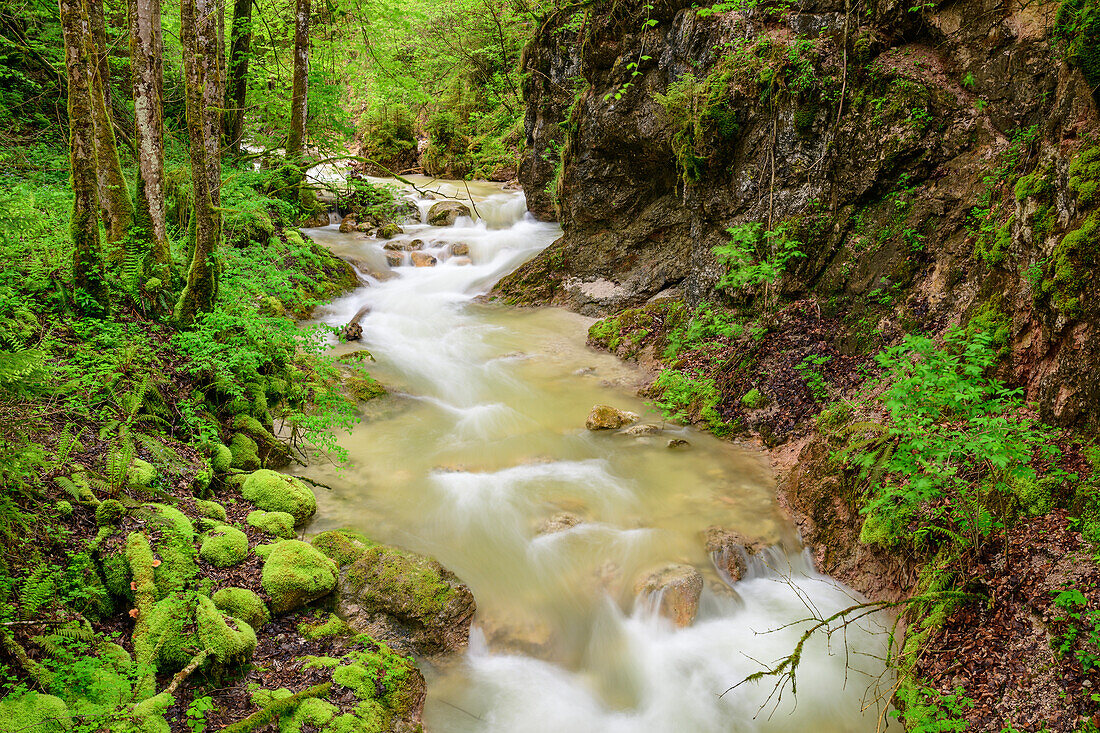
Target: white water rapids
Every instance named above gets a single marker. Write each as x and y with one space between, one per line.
482 440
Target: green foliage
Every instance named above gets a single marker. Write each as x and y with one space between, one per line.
196 713
1077 27
683 394
810 369
754 399
1081 624
957 441
924 710
704 329
755 257
697 111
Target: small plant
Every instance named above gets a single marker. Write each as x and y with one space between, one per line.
196 713
1082 634
810 369
924 710
755 257
754 399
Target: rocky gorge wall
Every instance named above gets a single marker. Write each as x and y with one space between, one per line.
936 165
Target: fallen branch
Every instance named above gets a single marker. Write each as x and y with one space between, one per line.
184 673
276 709
37 672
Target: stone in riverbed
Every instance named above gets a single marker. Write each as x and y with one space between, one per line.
462 261
731 550
406 246
678 443
605 417
676 589
351 332
637 431
559 523
423 259
347 224
445 213
389 231
460 249
393 259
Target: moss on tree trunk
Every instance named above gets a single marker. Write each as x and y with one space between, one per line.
237 86
298 103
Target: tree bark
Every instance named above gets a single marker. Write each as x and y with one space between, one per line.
114 198
199 38
298 104
89 284
145 62
240 38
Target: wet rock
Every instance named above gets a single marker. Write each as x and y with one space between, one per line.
445 213
676 590
605 417
364 227
678 443
559 523
731 550
389 231
530 637
394 259
351 332
460 249
404 246
399 595
423 259
347 224
638 431
462 261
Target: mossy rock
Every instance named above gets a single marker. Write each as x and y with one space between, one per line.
245 452
95 601
33 711
312 711
221 458
389 231
364 387
243 604
319 629
231 641
109 513
278 524
141 474
175 548
416 592
211 509
295 574
754 399
276 492
200 482
171 631
224 547
271 451
345 546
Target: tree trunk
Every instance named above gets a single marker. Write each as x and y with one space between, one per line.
237 88
297 140
114 198
89 284
145 55
199 38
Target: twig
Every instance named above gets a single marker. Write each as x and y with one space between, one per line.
277 708
471 198
184 673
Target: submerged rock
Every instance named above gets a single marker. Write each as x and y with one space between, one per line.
605 417
404 246
462 261
559 523
676 590
731 550
460 249
678 443
445 213
393 259
638 431
423 259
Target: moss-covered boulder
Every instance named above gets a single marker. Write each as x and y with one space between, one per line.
224 547
295 574
245 453
391 591
33 711
446 213
109 513
141 474
173 546
243 604
364 387
211 510
277 524
171 631
231 641
271 451
221 457
276 492
345 546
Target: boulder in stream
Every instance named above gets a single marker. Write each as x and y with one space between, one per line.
606 417
423 259
351 332
462 261
389 231
395 259
638 431
347 224
676 590
405 598
731 550
445 213
460 249
559 523
404 246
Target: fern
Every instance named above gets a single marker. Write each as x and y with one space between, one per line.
38 589
21 370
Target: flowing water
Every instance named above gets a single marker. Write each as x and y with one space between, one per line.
482 440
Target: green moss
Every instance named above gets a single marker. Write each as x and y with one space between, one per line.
295 574
993 247
211 509
141 474
245 226
276 492
109 513
754 399
364 387
221 458
149 713
33 711
389 231
171 632
243 604
63 509
1035 494
1034 184
388 578
245 452
1084 176
279 524
224 547
175 548
231 641
1071 265
344 546
835 415
332 626
991 320
271 450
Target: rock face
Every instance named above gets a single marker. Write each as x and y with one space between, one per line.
605 417
400 596
445 213
676 590
878 188
731 550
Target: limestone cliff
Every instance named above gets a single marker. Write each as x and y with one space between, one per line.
936 164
